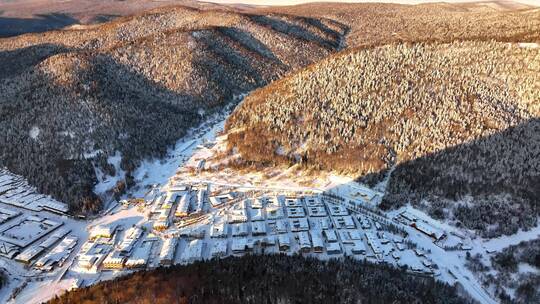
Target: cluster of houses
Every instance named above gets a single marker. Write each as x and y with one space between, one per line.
15 191
33 240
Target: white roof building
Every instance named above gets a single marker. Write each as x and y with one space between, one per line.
330 236
240 229
358 247
258 228
317 211
284 242
316 239
194 251
299 224
218 230
168 249
140 256
239 245
257 215
219 249
296 212
337 210
281 226
303 241
333 248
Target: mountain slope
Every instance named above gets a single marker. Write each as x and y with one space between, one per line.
452 120
72 98
382 23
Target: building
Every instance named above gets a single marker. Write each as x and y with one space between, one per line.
274 212
341 222
299 224
303 241
140 256
330 236
103 231
293 202
281 226
218 230
114 260
313 201
201 197
257 203
294 212
316 211
317 241
337 210
333 248
239 245
240 229
130 238
373 242
284 242
258 228
429 230
257 215
358 247
168 249
219 249
182 210
193 251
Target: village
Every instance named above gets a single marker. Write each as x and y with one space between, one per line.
188 217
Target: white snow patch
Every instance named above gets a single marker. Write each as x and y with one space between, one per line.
34 132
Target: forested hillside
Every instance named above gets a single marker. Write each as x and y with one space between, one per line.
454 121
269 279
382 23
71 98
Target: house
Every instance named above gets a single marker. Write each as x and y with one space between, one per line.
299 224
333 248
358 247
219 249
429 230
140 256
294 212
168 249
281 226
337 210
114 260
182 210
239 245
218 230
284 242
330 236
258 228
316 211
193 251
303 241
257 215
373 242
240 229
317 241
